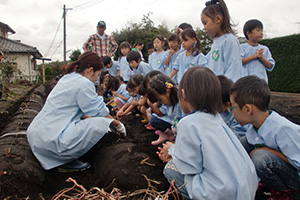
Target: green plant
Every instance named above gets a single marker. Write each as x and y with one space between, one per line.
286 53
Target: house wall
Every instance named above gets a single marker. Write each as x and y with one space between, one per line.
3 33
25 64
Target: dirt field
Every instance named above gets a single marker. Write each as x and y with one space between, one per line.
116 162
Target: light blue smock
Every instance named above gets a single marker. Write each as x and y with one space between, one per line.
214 163
224 58
125 70
174 114
113 70
280 134
183 63
142 68
57 135
169 68
156 61
236 128
256 67
122 91
136 97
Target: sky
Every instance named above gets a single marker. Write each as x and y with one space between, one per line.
39 23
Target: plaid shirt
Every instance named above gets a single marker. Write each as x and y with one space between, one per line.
101 47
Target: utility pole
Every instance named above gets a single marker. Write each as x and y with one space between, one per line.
298 25
65 34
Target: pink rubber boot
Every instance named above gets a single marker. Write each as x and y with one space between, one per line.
163 136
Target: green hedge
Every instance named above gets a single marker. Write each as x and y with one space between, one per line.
286 52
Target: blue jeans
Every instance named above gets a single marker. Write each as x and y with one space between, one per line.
171 173
272 170
159 124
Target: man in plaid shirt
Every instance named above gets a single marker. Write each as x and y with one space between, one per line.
101 43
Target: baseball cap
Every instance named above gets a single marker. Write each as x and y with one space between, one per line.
101 24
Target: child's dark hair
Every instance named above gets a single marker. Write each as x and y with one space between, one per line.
134 81
174 37
120 78
112 83
202 89
251 90
147 78
226 84
159 85
123 45
163 40
218 7
185 25
250 25
86 60
192 34
133 56
138 43
106 60
150 46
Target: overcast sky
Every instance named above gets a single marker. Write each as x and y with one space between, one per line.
37 21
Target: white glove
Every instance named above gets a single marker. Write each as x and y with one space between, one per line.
121 130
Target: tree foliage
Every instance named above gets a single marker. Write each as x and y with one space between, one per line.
74 55
144 31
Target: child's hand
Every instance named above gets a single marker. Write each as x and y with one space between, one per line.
163 152
259 53
120 114
172 51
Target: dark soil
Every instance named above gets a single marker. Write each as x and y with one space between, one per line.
116 162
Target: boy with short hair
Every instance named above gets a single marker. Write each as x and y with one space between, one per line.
256 58
135 63
150 48
111 66
272 141
171 55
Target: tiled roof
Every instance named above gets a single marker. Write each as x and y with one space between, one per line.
11 46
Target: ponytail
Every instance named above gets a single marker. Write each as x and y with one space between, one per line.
86 60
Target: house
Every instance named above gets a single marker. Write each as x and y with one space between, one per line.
23 56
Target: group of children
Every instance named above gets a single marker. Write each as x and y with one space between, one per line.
213 110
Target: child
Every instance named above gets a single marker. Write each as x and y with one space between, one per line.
125 70
68 125
150 48
156 112
111 66
164 91
155 59
118 90
224 57
192 55
228 118
207 156
171 55
133 86
138 46
272 141
135 63
256 58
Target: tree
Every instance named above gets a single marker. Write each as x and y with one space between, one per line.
205 40
144 31
74 55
